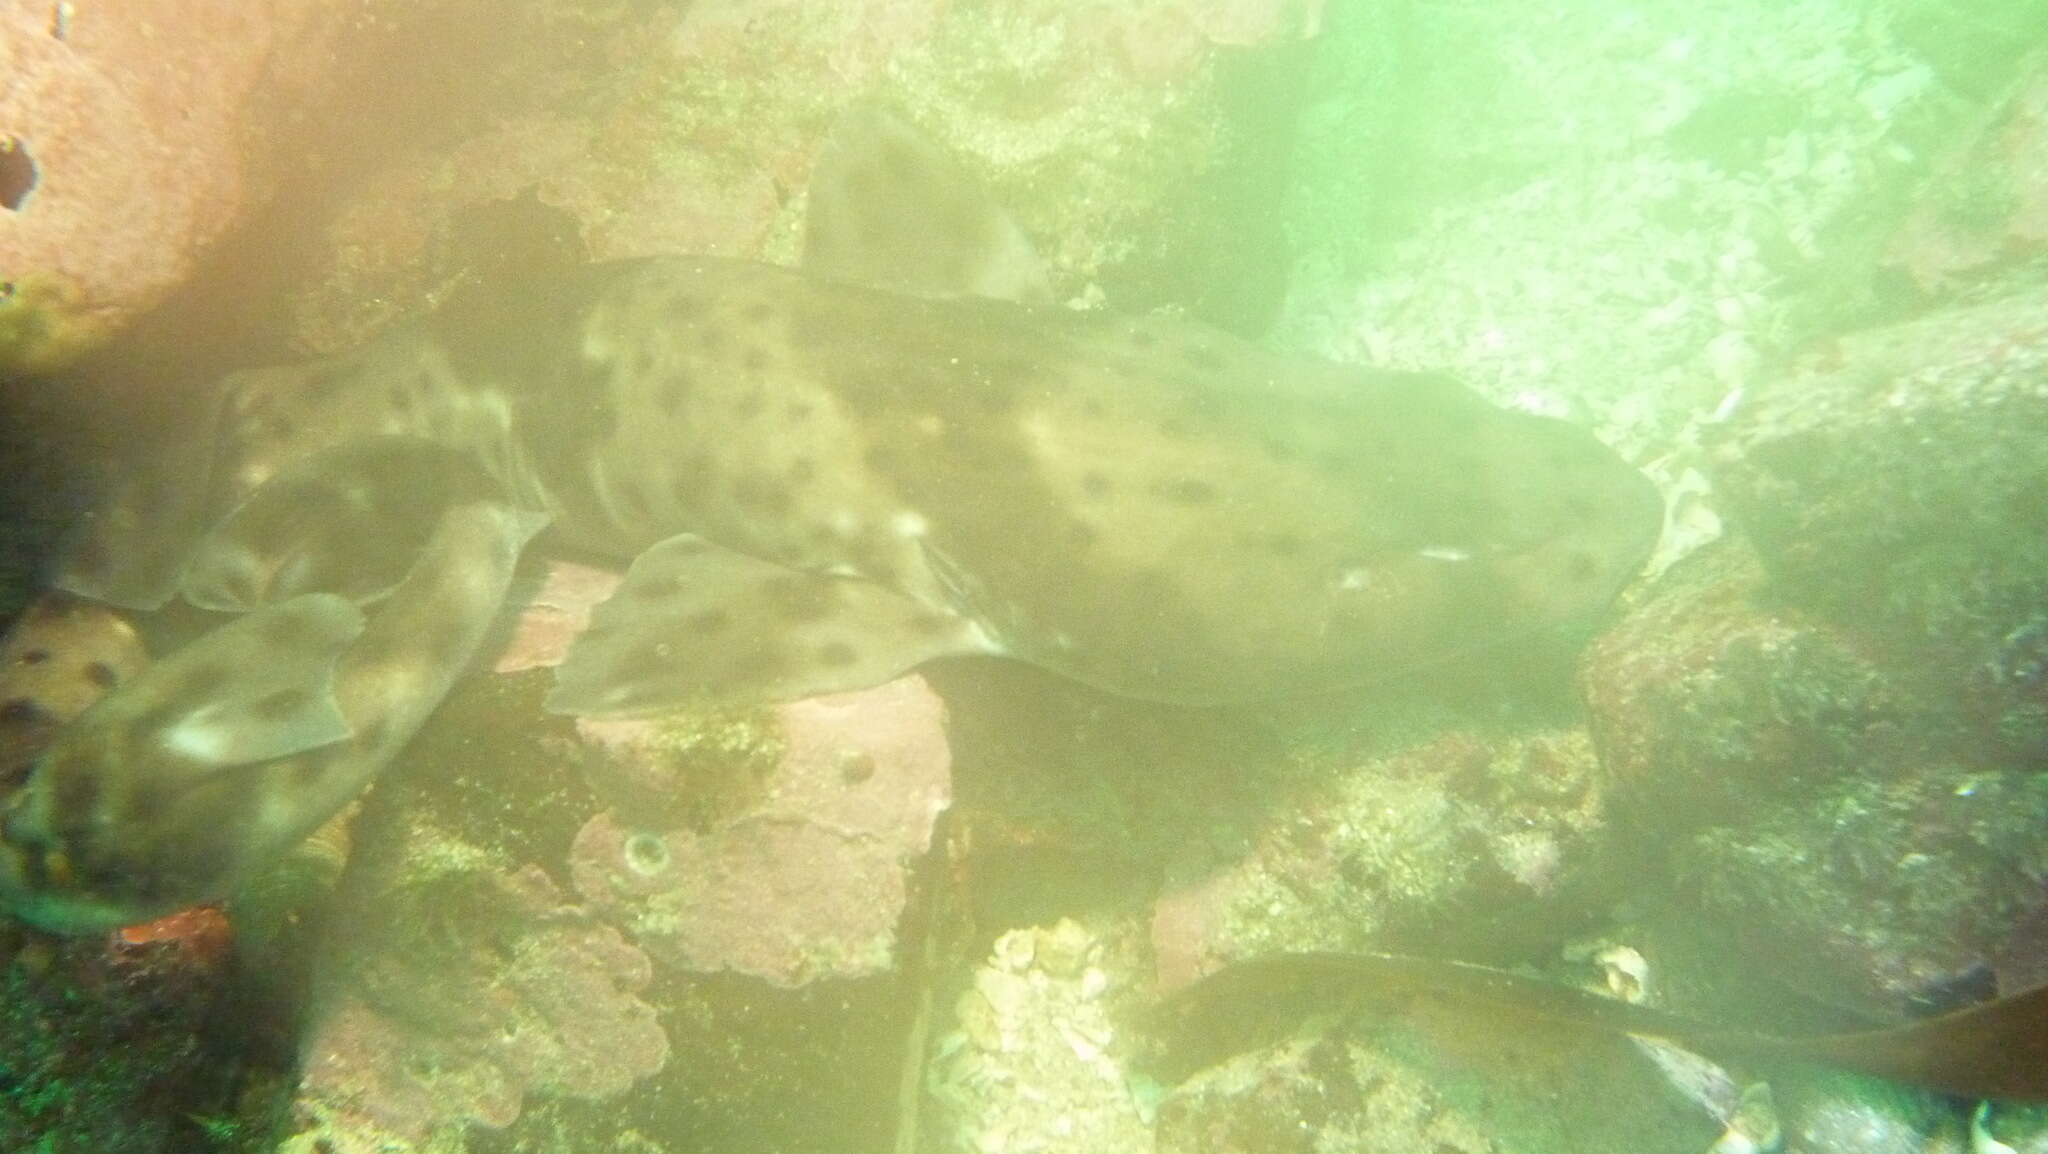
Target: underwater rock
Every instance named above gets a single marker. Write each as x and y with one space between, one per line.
1827 1113
1709 701
692 128
680 128
131 1049
1893 483
1165 41
132 136
1463 846
464 995
1985 207
1034 1056
1629 241
1435 1082
1997 1128
554 614
1888 895
807 875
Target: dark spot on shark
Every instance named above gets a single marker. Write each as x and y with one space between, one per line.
399 397
1094 484
711 339
754 360
23 711
802 471
686 305
100 674
34 657
374 733
799 412
836 655
278 705
705 622
1081 534
1581 567
796 599
759 313
749 404
1203 358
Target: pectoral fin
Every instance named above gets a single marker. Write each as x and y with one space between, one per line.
696 624
350 521
258 688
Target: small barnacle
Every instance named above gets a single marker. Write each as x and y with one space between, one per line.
1627 973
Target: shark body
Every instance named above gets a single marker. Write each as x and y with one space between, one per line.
822 477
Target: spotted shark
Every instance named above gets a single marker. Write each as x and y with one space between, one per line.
821 477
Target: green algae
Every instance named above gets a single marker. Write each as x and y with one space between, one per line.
45 325
124 1056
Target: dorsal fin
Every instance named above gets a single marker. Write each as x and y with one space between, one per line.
258 688
890 209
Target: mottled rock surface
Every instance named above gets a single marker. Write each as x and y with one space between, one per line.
1467 846
131 137
809 881
1894 482
469 990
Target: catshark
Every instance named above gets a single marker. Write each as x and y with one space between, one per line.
822 476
